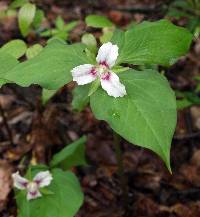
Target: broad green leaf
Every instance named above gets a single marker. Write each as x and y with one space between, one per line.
118 38
72 155
51 68
16 48
158 42
80 97
90 41
17 3
97 21
47 94
146 116
7 62
64 199
33 51
26 17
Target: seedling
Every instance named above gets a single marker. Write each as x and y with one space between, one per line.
61 29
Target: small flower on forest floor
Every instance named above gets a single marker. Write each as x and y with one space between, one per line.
41 180
106 58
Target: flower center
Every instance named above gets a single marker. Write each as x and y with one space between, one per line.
102 71
32 187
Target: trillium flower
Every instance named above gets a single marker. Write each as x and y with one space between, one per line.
41 180
106 58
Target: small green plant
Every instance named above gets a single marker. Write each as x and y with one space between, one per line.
189 9
54 184
189 98
101 22
138 105
29 16
61 29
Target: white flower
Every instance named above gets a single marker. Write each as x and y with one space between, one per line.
106 58
42 179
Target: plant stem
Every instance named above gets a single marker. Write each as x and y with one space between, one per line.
120 165
5 122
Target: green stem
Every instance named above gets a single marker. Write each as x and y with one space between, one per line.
120 165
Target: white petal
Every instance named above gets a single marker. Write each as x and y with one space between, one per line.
19 181
83 74
43 179
108 54
113 86
33 195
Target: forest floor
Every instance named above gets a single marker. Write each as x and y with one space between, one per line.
33 133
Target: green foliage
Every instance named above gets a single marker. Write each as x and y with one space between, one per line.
189 9
61 31
39 16
46 95
51 67
147 113
7 62
16 48
107 34
90 41
64 201
158 42
80 97
17 4
26 17
97 21
72 155
33 51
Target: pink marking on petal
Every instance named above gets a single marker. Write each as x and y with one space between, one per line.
93 72
104 63
24 184
38 181
34 193
106 76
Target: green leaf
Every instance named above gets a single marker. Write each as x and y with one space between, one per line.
90 41
97 21
158 42
47 94
33 51
7 62
94 86
146 116
80 97
59 23
46 33
51 68
118 38
183 103
71 25
71 155
26 17
107 35
17 3
16 48
39 16
65 200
